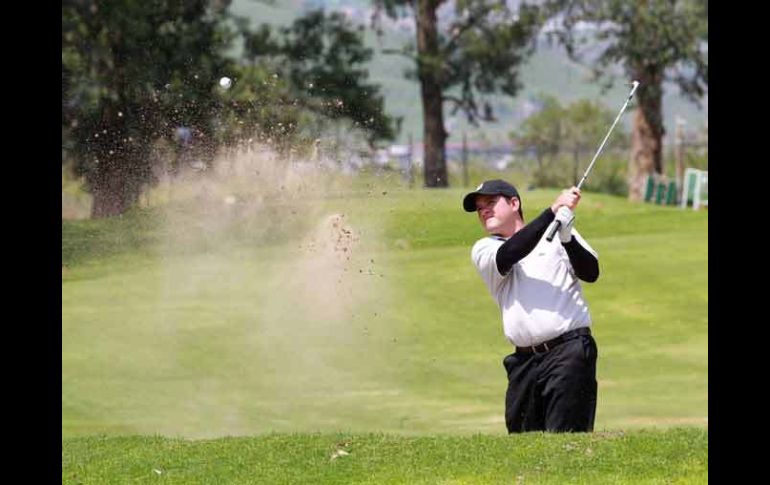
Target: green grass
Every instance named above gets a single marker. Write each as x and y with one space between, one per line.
265 320
253 326
642 457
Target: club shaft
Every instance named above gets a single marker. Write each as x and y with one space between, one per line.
596 155
556 224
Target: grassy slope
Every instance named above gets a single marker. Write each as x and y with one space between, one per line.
216 334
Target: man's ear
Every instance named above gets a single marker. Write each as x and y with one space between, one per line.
515 204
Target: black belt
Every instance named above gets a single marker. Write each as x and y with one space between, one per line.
548 345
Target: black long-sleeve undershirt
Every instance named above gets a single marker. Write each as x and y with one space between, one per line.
519 245
584 263
523 242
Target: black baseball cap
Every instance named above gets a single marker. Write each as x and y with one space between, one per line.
491 187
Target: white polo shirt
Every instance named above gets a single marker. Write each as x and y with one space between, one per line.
540 298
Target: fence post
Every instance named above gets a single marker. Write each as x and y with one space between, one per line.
660 192
650 189
696 195
680 122
671 193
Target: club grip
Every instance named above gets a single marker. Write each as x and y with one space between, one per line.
552 230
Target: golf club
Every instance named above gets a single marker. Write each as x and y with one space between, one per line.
556 224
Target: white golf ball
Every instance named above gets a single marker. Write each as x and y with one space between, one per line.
225 82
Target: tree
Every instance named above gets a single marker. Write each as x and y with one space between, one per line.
586 123
138 73
261 106
578 128
132 73
652 41
322 57
542 131
476 52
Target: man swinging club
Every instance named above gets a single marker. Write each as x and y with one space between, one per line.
552 373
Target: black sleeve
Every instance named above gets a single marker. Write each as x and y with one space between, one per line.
523 242
584 263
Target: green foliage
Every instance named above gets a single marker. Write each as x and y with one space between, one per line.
563 141
479 52
608 175
136 73
260 105
587 123
542 131
322 58
483 49
652 40
131 73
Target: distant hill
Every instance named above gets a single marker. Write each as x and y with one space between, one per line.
548 71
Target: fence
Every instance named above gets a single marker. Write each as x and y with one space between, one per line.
695 190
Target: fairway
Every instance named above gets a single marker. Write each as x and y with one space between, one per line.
356 309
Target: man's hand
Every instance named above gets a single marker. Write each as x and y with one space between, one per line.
566 218
568 198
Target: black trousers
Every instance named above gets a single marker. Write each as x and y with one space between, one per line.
553 390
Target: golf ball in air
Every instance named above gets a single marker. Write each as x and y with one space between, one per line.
225 82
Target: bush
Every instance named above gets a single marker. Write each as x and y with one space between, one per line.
607 176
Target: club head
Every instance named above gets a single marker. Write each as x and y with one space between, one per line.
635 85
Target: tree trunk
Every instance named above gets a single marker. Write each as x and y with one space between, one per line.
121 169
647 135
115 182
429 69
108 188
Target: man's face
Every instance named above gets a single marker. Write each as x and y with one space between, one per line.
497 214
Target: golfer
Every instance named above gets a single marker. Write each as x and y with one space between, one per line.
552 373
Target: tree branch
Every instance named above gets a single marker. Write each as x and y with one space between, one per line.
472 21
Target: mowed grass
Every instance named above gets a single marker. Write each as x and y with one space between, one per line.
677 455
196 327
